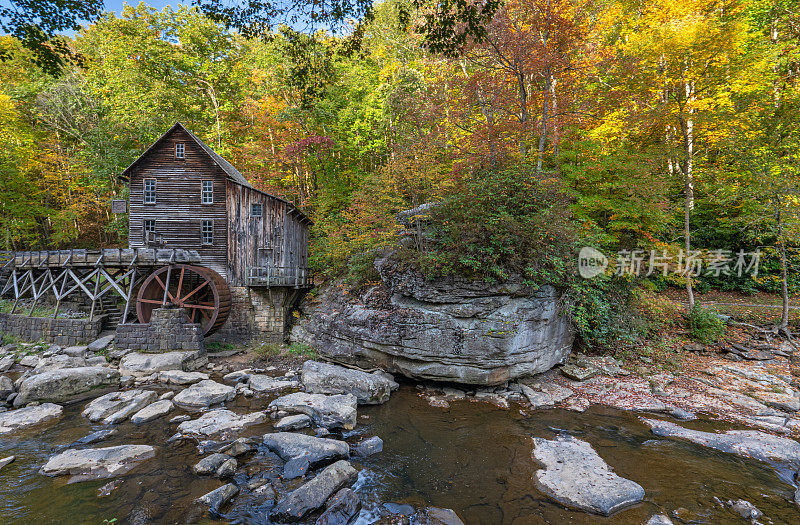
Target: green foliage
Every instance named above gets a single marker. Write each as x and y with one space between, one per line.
219 346
705 326
265 350
503 223
302 350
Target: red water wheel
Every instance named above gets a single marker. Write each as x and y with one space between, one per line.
202 292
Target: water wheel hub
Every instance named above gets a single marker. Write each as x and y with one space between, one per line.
202 292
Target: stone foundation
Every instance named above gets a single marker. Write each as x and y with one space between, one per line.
259 314
63 332
168 330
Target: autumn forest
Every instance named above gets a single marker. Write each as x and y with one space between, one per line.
617 124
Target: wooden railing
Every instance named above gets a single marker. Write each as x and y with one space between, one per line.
278 276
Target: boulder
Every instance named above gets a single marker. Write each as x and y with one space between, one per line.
116 407
6 461
337 411
57 362
437 516
447 329
100 344
574 475
313 494
204 394
29 360
578 373
221 421
6 387
318 451
219 497
296 468
324 378
138 365
179 377
75 351
341 509
215 465
66 384
239 447
152 411
750 443
97 463
367 447
295 422
659 519
6 363
23 418
98 436
264 384
745 509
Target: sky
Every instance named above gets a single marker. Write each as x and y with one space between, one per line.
116 5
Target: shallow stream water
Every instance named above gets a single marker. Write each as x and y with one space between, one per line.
471 457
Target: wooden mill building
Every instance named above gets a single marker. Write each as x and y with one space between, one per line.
184 195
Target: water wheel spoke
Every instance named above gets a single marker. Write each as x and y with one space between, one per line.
180 284
200 306
204 283
164 287
151 301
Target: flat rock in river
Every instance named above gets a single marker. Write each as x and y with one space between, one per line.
319 451
21 418
58 386
219 497
324 378
97 463
295 422
138 365
204 394
337 411
264 384
341 509
576 476
221 421
116 407
313 494
749 443
152 411
179 377
6 461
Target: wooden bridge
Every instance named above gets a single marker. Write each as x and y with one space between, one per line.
96 274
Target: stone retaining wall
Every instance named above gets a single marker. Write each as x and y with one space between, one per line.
168 330
258 314
63 332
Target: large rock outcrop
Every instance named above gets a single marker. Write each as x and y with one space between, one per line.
447 329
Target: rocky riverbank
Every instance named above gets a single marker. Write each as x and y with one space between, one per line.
307 417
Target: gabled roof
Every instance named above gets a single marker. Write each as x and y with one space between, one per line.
232 173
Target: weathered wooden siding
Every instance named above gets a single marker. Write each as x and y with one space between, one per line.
279 238
178 211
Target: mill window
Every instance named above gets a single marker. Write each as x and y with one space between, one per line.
255 210
207 232
180 150
208 192
149 227
149 191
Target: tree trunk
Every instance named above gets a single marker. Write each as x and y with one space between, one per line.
689 204
543 135
784 323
